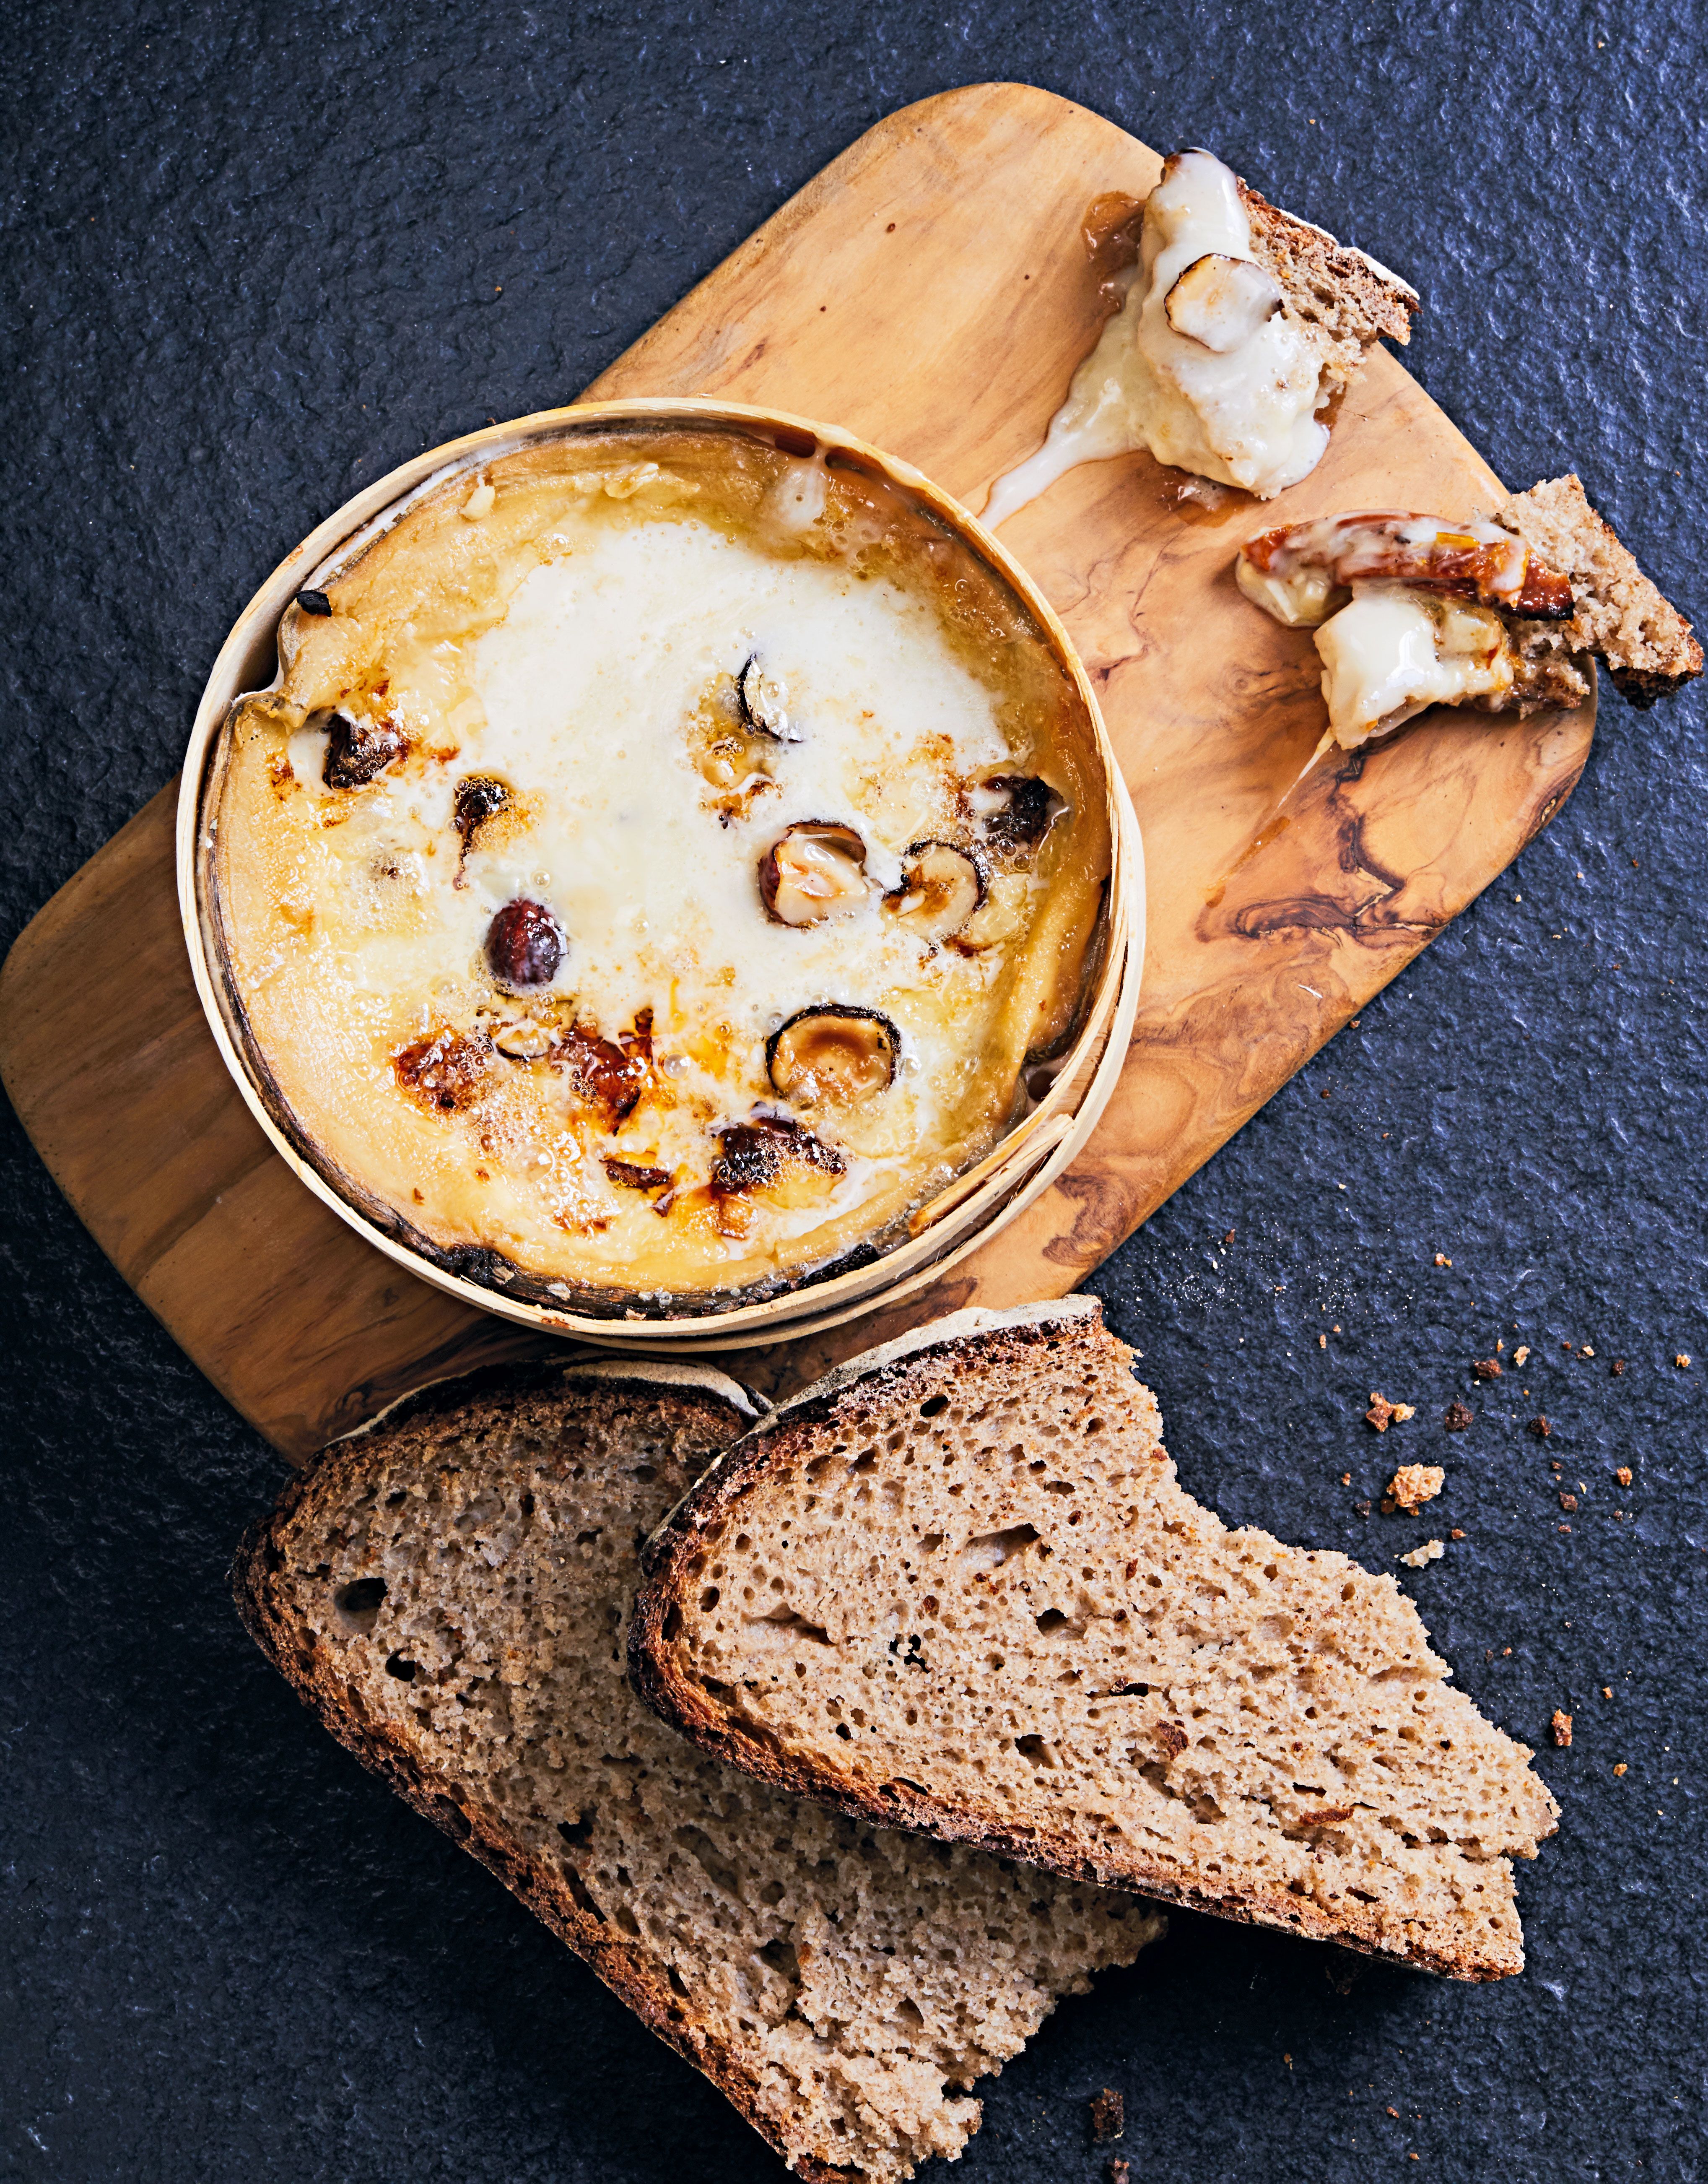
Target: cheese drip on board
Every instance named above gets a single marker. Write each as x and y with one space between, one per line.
489 868
1226 384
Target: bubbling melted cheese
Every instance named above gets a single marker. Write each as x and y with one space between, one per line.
571 631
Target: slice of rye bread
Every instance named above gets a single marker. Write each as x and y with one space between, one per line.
450 1591
1618 615
955 1585
1347 299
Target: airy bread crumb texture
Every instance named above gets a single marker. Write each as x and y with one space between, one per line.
966 1591
451 1593
1618 613
1350 301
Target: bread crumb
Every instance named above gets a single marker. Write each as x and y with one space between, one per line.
1520 1353
1568 1502
1620 1768
1457 1416
1412 1485
1560 1729
1682 1360
1607 1690
1346 1478
1229 1237
1322 1342
1442 1259
1432 1551
1618 1368
1540 1428
1455 1534
1485 1369
1117 2169
1382 1413
1623 1474
1108 2116
1586 1352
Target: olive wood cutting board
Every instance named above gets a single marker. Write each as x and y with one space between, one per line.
930 291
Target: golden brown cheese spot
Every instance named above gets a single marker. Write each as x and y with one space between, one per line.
446 1070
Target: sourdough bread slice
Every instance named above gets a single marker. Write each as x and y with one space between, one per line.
1617 615
450 1591
1349 300
956 1585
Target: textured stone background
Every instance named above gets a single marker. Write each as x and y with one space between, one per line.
257 255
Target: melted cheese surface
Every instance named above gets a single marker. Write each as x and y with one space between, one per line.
572 625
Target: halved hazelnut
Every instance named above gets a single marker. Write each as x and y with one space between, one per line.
1016 811
940 887
834 1056
814 870
1219 303
357 751
765 701
524 945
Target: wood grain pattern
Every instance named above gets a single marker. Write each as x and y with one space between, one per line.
929 291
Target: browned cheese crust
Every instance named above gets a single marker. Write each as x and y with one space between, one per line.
1349 299
1619 615
499 1517
1085 1668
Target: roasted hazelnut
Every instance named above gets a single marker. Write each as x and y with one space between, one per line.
525 944
1219 303
356 750
755 1153
1017 811
477 797
764 698
834 1056
940 887
814 870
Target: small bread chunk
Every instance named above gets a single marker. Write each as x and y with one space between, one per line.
1350 301
1412 1485
957 1586
1618 613
450 1592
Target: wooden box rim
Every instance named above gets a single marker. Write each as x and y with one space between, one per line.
1021 1165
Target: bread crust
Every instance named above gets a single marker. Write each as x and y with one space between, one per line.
1349 300
769 1450
1620 615
622 1968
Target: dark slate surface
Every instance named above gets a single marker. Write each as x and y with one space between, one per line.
255 256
